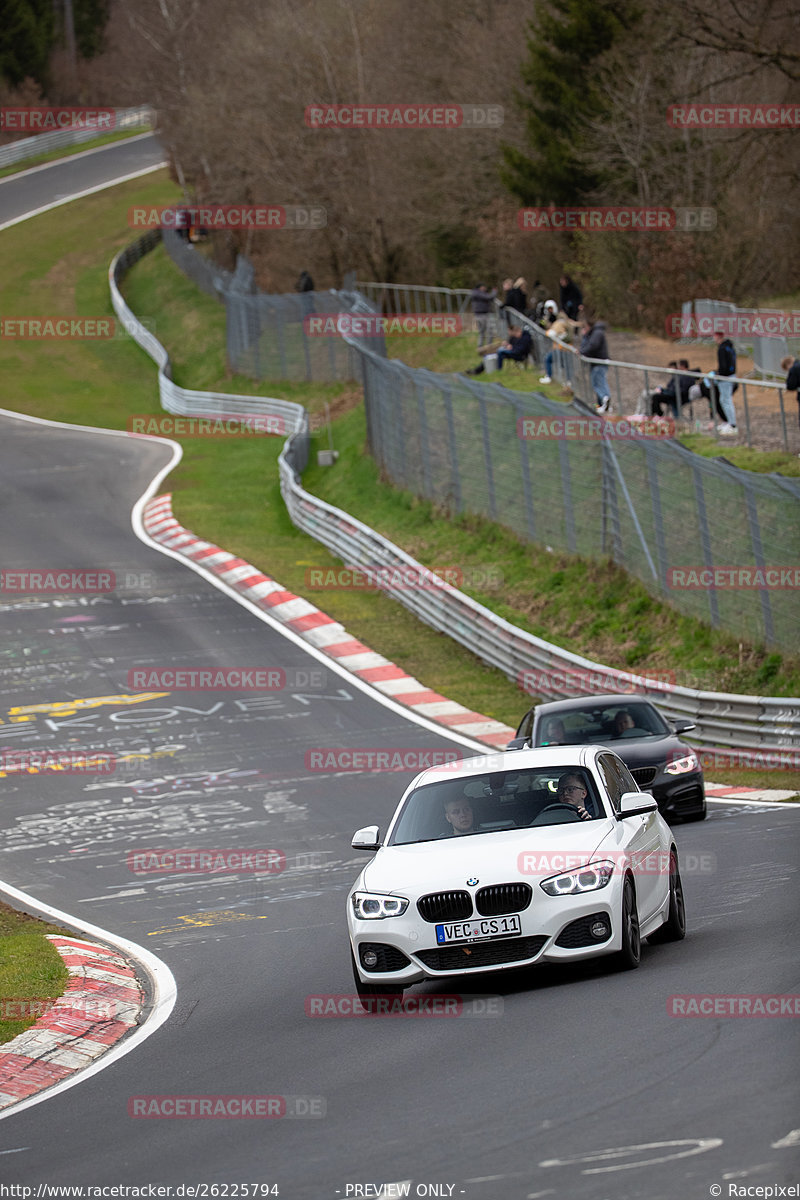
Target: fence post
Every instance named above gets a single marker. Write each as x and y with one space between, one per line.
423 440
487 451
705 538
530 519
451 438
611 530
566 491
758 555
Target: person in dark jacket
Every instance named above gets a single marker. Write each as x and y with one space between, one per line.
517 348
677 383
517 299
482 301
594 345
571 297
792 365
726 365
305 283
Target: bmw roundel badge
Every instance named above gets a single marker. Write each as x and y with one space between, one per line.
472 882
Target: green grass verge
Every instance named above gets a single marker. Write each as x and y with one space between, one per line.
762 461
36 160
228 492
30 967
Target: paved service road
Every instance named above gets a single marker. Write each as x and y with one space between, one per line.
34 189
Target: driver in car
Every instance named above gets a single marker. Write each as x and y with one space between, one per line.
622 722
459 815
572 791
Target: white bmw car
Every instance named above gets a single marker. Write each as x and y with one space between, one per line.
492 862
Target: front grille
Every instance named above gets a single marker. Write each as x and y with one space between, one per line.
577 933
481 954
389 957
503 898
445 906
644 776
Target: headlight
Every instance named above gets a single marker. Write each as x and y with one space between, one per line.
369 906
679 766
586 879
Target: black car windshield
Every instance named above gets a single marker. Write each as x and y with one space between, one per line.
498 800
601 723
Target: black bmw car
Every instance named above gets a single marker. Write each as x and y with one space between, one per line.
647 743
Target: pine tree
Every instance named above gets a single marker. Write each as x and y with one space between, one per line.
560 97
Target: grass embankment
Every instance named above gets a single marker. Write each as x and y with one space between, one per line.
30 967
228 491
37 160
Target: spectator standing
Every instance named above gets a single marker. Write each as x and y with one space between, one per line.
561 327
726 366
792 365
571 297
517 299
594 345
482 303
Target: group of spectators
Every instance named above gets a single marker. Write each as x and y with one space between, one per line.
565 320
690 384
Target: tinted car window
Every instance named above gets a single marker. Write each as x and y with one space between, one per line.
613 779
601 723
498 800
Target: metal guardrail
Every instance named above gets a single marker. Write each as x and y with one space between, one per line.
42 143
742 722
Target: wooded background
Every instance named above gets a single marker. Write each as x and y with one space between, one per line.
585 86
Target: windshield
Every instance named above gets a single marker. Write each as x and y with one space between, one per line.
601 723
498 800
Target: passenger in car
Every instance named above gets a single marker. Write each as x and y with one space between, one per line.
555 734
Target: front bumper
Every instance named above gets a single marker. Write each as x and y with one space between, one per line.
554 930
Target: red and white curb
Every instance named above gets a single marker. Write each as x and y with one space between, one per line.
723 791
100 1005
319 629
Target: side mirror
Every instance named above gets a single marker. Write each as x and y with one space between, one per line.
684 726
632 804
517 743
368 838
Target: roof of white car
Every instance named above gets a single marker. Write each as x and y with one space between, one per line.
543 757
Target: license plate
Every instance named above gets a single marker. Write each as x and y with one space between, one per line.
480 929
